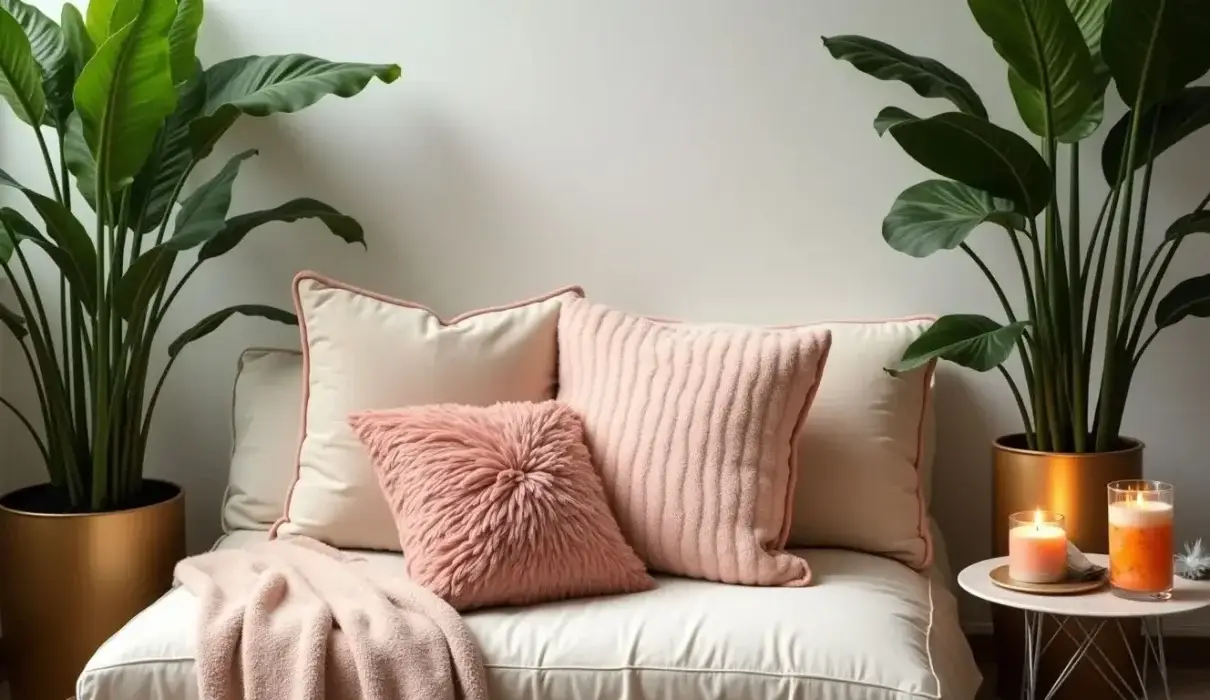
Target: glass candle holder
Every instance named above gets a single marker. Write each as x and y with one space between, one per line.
1140 539
1037 547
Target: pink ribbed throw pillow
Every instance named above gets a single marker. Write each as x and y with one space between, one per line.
498 505
693 429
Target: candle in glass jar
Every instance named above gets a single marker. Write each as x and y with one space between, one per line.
1140 539
1037 547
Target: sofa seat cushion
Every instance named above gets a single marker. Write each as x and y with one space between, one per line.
870 629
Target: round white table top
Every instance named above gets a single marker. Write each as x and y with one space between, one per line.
1187 596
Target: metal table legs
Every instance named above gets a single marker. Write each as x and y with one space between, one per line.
1132 686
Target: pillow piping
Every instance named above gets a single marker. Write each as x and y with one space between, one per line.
306 354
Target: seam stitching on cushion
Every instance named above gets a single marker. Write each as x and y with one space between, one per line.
928 642
715 671
573 669
922 515
142 662
306 354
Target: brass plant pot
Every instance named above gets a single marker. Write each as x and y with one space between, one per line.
68 582
1074 485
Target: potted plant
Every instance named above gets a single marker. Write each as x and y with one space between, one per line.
118 103
1090 300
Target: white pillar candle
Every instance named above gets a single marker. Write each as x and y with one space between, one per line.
1037 550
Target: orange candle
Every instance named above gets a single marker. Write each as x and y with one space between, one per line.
1140 539
1037 547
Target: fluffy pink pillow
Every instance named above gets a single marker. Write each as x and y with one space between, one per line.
694 430
498 505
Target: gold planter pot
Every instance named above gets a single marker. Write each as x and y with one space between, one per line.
68 582
1074 485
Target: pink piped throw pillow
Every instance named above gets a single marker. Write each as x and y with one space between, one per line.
498 505
694 430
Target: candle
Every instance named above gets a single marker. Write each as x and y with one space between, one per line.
1037 547
1140 539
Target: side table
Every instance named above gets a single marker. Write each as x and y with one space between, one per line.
1070 615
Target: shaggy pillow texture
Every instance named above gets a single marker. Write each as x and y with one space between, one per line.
694 429
498 505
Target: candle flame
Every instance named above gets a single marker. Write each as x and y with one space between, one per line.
1138 498
1038 519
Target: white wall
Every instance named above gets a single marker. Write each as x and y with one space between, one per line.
694 158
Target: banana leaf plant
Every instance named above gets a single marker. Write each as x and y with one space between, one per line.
122 109
1089 283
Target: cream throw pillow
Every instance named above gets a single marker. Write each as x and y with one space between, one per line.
866 453
265 410
363 351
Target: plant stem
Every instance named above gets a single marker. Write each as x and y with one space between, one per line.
1097 229
1075 296
1042 377
33 433
64 174
1132 279
1008 307
1012 385
1146 344
1106 422
50 166
100 369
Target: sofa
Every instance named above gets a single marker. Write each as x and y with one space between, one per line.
879 620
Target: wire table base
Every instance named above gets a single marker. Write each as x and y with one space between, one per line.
1083 632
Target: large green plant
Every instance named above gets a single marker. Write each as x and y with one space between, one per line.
118 101
1088 289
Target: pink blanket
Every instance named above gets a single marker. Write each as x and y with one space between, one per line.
293 619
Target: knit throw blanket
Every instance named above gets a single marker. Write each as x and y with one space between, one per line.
294 619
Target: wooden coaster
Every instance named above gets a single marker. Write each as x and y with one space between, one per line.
1000 577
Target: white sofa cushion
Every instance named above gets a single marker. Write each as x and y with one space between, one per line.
871 629
364 351
865 455
266 409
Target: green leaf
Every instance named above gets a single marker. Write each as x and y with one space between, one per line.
82 280
182 39
939 214
79 44
239 227
260 86
50 52
1197 222
1155 47
212 322
1173 118
151 194
1050 66
69 236
889 117
79 160
139 284
928 77
204 212
20 78
125 93
972 341
980 154
1188 298
8 181
99 14
1090 18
